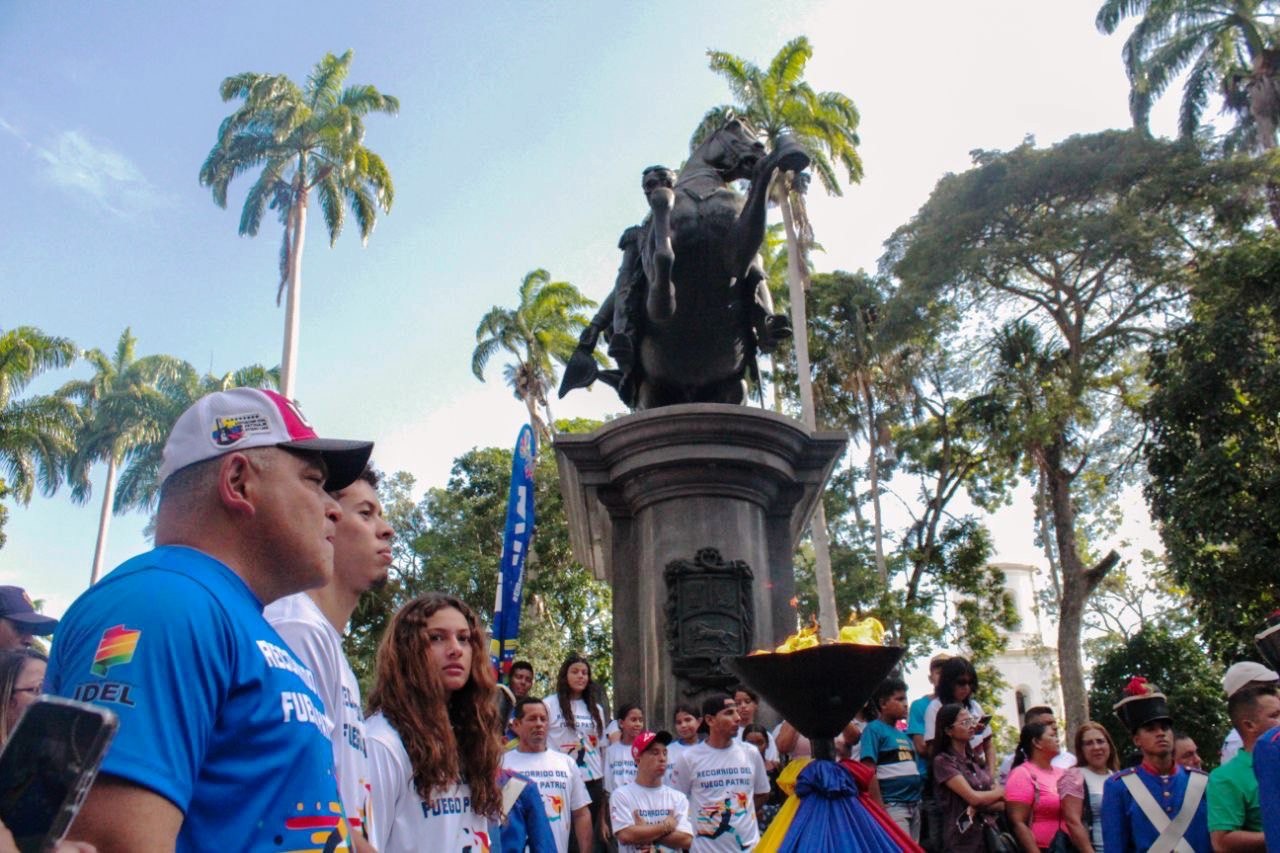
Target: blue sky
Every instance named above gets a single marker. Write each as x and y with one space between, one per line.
522 132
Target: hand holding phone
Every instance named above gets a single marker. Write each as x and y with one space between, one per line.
47 766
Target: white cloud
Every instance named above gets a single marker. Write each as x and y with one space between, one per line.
97 172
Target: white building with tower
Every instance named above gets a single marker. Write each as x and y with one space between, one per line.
1030 663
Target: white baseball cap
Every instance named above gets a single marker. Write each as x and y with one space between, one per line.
241 418
1241 674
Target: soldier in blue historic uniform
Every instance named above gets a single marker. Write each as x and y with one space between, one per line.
1158 805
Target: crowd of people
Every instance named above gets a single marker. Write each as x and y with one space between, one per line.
243 727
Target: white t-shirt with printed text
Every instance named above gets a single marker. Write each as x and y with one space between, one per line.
619 766
581 743
559 783
673 752
406 824
652 805
721 785
300 622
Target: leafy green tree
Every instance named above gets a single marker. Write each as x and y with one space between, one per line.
1213 450
451 540
1175 662
118 407
779 103
4 511
37 433
1090 243
866 361
945 453
543 326
305 140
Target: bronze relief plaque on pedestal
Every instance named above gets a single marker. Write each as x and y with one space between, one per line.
709 616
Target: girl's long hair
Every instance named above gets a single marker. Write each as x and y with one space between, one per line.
11 665
946 718
446 740
591 695
1113 758
1026 741
954 669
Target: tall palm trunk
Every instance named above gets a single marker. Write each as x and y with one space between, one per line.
775 385
289 359
873 471
1264 106
828 620
104 520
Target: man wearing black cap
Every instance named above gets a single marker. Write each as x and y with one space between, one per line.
224 739
19 621
1158 805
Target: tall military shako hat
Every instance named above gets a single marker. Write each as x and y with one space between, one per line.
1268 641
1140 704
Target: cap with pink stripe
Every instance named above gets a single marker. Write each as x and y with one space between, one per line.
242 418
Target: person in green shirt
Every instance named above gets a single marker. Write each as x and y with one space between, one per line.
1235 816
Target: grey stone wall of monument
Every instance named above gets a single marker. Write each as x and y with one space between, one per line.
706 501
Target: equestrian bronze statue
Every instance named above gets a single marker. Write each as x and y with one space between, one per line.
690 308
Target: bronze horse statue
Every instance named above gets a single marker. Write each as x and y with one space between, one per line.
691 306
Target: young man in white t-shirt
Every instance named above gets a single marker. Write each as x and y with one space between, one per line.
724 780
647 816
564 794
312 623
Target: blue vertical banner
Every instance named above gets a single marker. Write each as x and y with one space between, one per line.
515 548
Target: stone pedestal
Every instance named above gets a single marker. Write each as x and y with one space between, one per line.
692 514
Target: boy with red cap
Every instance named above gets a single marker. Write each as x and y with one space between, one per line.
647 815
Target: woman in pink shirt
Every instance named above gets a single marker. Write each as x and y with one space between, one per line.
1031 794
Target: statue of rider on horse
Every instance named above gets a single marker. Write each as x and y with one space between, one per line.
691 307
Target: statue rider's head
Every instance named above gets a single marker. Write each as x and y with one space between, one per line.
657 176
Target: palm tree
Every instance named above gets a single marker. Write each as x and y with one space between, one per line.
545 325
305 140
118 405
778 102
139 485
1230 47
37 433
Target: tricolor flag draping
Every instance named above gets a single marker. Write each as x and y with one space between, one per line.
515 547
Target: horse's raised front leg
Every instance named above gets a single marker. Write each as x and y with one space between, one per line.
749 228
661 301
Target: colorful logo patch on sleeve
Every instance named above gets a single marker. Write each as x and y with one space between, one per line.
117 646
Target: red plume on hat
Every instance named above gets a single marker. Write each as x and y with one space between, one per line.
1141 702
1138 686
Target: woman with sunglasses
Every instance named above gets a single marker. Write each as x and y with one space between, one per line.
958 683
966 795
21 682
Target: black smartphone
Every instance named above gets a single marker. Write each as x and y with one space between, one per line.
964 821
47 766
983 722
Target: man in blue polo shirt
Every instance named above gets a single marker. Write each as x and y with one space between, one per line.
223 740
